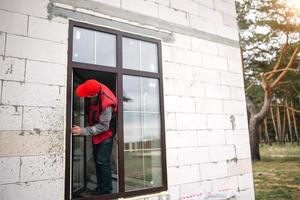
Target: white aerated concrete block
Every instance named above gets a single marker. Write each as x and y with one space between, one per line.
10 117
173 176
173 15
172 158
172 70
181 139
245 181
182 41
179 104
232 53
226 7
188 6
235 66
204 46
209 105
47 73
41 168
246 195
214 170
218 121
37 190
9 170
167 53
47 30
211 14
203 24
225 184
211 138
237 93
232 79
114 3
195 155
2 43
206 75
240 166
228 32
36 49
243 151
190 121
15 93
234 107
40 119
217 91
143 7
213 62
189 174
237 138
230 20
188 57
219 153
174 192
170 121
29 7
12 69
197 190
13 22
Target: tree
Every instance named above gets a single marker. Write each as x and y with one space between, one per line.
269 37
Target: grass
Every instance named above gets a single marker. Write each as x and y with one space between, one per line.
277 175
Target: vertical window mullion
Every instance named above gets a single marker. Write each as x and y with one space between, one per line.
120 115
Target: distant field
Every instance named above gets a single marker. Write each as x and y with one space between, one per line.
277 176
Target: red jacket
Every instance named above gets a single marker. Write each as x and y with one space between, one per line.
106 99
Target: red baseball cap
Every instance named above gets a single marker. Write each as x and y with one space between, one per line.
88 88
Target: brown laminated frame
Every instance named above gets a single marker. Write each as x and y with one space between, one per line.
119 72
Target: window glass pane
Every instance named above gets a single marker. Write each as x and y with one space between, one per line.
143 169
105 49
131 53
142 132
151 131
140 55
149 57
94 47
83 45
132 93
133 129
150 96
134 176
153 168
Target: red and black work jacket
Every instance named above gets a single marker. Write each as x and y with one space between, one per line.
105 99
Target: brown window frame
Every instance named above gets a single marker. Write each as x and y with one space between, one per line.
119 72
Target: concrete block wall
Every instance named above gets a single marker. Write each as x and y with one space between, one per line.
205 112
33 69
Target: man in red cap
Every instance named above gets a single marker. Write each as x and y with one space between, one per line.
102 105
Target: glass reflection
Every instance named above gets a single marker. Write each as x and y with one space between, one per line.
140 55
142 136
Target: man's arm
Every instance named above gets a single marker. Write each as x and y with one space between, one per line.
102 126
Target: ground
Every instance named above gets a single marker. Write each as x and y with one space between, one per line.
277 175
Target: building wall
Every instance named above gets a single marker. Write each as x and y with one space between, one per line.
208 151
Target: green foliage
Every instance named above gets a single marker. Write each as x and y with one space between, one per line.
265 26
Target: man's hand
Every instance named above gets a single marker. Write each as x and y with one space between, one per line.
76 130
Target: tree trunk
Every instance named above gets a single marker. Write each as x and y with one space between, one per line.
274 125
289 121
295 124
267 132
284 126
255 119
278 122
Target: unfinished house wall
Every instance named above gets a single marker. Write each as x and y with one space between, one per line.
33 57
207 141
